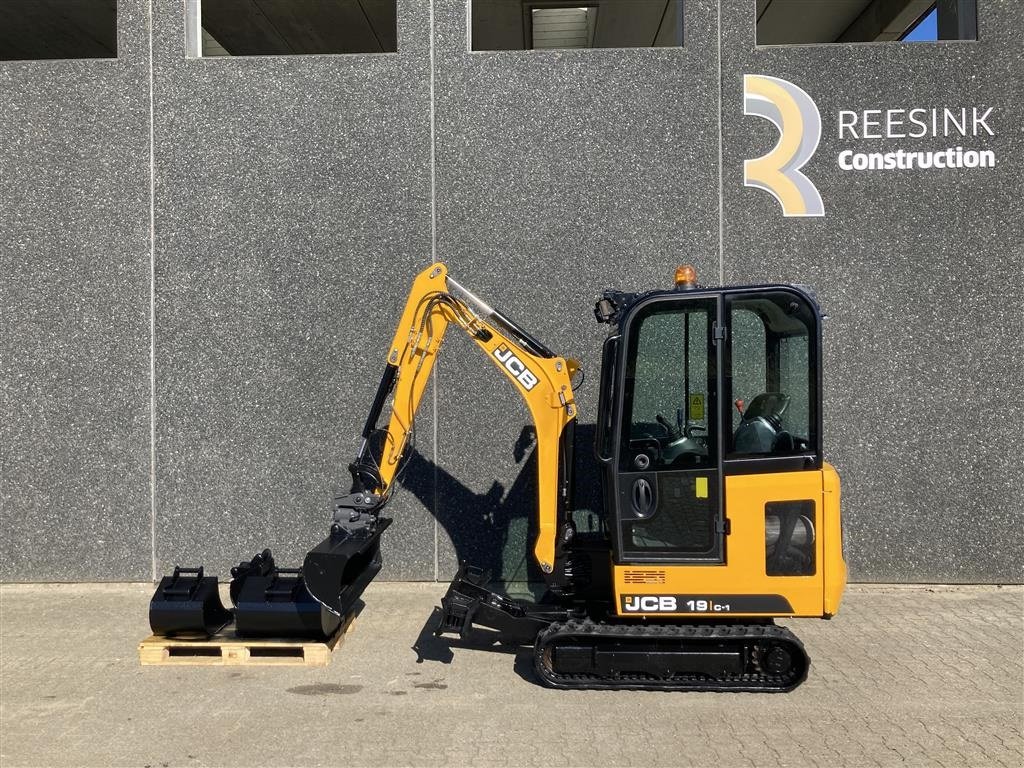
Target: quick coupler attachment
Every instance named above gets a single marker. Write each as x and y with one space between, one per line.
341 566
274 602
187 604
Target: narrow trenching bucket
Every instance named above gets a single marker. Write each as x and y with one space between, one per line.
187 603
274 602
341 566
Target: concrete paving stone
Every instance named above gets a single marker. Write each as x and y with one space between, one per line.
902 676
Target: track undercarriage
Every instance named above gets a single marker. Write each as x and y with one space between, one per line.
679 657
575 649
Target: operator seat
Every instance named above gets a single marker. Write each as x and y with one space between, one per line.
761 424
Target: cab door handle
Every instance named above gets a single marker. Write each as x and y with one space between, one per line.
643 498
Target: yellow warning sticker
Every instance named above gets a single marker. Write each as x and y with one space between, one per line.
702 487
697 407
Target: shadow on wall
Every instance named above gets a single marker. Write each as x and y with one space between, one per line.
495 530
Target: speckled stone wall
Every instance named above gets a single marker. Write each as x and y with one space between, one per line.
293 199
74 301
292 209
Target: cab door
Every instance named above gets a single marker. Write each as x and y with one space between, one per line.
667 468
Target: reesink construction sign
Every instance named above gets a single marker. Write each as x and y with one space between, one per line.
796 116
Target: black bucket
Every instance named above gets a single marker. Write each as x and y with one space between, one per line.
341 566
274 602
187 603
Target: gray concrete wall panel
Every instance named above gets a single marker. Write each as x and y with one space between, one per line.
920 272
292 211
559 174
296 198
74 345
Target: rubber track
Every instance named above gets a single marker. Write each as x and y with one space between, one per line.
744 635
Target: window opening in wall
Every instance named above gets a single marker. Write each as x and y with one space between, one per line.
797 22
290 27
516 25
58 29
925 29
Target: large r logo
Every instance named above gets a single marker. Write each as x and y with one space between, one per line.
795 114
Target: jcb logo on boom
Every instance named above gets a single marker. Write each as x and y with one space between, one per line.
516 367
649 603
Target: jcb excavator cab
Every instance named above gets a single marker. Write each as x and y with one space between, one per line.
719 502
677 369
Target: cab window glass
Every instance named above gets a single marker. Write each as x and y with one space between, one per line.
770 384
668 388
794 375
748 348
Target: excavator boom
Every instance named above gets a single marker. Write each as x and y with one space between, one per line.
341 566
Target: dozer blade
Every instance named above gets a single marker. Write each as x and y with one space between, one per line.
274 602
187 604
341 566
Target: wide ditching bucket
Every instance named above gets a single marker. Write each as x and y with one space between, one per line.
274 602
341 566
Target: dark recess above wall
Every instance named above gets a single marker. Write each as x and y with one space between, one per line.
58 29
284 27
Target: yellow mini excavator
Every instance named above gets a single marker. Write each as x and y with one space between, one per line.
720 514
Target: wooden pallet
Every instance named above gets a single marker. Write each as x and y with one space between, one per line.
225 649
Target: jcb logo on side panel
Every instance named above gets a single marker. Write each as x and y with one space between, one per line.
790 109
649 603
516 367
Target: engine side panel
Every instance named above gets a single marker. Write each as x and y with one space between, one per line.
760 576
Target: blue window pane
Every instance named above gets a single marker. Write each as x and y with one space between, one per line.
927 30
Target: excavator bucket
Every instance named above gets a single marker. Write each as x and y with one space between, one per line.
341 566
274 602
187 604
